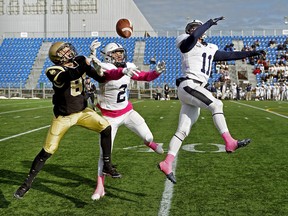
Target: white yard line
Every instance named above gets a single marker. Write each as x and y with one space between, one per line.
21 110
17 104
265 110
27 132
168 193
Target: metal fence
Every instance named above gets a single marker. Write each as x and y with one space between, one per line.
239 32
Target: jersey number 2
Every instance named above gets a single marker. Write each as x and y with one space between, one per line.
121 94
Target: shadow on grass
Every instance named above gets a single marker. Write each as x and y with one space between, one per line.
3 202
9 177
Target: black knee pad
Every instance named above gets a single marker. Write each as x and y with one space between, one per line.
106 131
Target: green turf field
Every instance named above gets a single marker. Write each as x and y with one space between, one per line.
252 181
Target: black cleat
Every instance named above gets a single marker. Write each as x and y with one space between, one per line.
169 176
22 190
240 144
110 170
243 143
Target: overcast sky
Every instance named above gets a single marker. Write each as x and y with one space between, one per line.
239 14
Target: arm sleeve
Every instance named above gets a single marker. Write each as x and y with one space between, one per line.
146 76
113 74
234 55
188 43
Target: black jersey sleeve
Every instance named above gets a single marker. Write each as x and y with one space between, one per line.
191 41
234 55
90 71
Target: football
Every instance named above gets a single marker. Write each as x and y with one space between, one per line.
124 28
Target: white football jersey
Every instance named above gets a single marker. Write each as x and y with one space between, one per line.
197 63
113 94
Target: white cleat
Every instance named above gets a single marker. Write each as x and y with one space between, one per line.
97 196
159 149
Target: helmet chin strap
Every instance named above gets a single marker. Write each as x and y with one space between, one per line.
120 64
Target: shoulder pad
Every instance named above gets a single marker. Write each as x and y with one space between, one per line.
53 70
80 58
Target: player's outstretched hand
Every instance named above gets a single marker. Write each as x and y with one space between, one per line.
131 71
215 20
161 67
94 45
97 66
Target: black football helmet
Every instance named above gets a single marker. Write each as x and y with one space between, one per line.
62 52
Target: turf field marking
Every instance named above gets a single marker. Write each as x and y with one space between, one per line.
275 113
168 193
191 147
27 132
16 104
21 110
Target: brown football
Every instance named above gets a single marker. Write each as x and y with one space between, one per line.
124 28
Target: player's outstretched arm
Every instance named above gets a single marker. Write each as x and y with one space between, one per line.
235 55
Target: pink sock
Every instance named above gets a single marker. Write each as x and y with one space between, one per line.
100 184
152 145
230 143
169 158
166 165
101 180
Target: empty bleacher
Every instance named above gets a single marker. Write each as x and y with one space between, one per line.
18 55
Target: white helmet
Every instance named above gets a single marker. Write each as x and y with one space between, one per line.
107 54
191 26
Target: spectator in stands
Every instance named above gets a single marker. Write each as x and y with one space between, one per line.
272 43
229 47
256 43
257 70
114 104
192 93
70 107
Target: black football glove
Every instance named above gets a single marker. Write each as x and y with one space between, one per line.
215 20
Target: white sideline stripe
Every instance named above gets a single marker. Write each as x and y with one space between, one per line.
168 193
27 132
265 110
13 111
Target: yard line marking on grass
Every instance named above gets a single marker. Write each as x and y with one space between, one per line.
275 113
137 101
168 193
13 111
27 132
16 104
